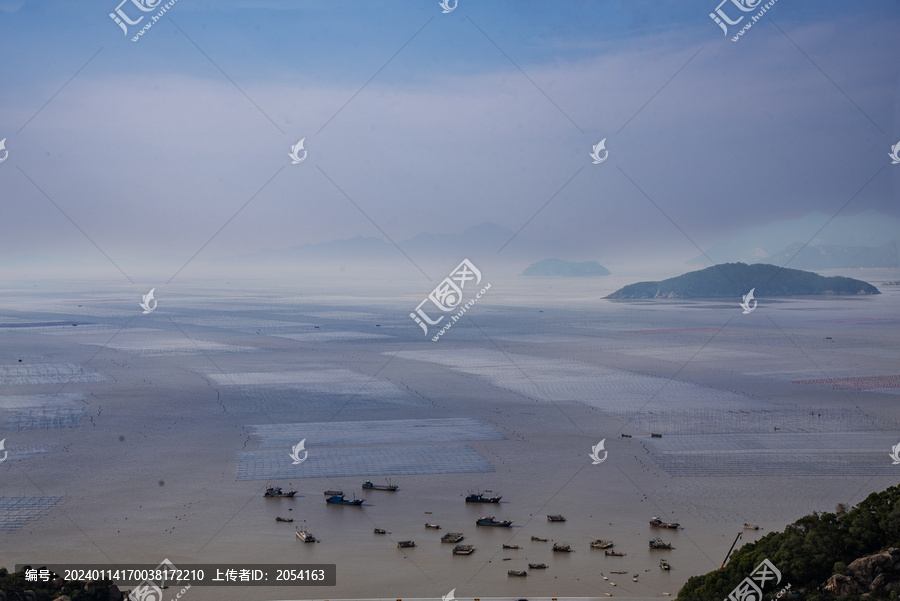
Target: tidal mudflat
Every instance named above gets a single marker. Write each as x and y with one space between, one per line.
133 438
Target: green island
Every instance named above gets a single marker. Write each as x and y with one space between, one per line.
736 279
852 554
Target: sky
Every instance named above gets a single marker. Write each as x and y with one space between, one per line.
176 147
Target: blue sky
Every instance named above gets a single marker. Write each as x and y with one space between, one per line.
485 114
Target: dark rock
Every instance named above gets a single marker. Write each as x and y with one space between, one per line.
875 573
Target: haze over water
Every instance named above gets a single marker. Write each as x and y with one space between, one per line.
241 225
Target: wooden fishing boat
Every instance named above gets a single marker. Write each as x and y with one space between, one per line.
537 566
614 554
521 573
561 548
463 550
478 497
390 486
275 491
452 537
511 547
404 544
539 539
658 523
601 544
280 519
342 500
556 518
433 526
380 531
490 521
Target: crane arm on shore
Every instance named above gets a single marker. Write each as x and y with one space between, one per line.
727 555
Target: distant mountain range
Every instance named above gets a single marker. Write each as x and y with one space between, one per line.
828 256
867 239
736 279
558 267
487 243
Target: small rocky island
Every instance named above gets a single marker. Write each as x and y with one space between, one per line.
561 268
736 279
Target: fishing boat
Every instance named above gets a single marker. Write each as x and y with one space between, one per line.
614 553
332 493
490 521
657 543
275 491
404 544
390 486
478 497
433 526
601 544
305 536
463 550
452 537
380 531
619 572
279 519
539 539
655 435
556 518
658 523
537 566
750 527
626 436
663 564
562 548
511 547
341 500
522 573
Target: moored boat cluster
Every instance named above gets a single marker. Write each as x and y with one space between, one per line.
337 497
